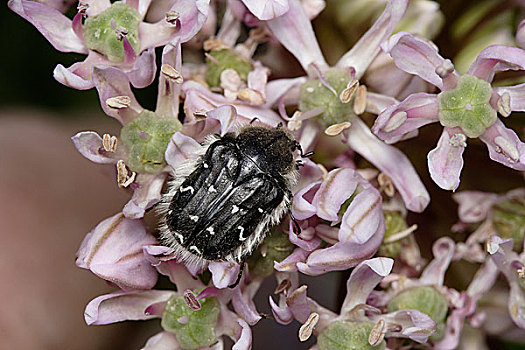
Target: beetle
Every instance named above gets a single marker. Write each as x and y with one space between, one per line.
220 204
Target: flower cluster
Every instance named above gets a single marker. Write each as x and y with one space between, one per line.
352 202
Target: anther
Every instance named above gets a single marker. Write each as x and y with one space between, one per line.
82 8
123 179
295 123
395 121
118 102
214 44
507 148
171 73
504 105
200 114
377 334
191 300
386 184
458 140
172 17
284 286
360 100
121 32
308 327
346 95
521 272
336 129
109 142
445 69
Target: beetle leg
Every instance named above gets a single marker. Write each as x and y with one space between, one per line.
296 224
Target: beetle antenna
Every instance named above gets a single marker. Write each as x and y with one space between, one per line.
254 120
236 283
296 224
280 125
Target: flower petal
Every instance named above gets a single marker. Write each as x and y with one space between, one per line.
277 88
180 149
169 91
113 251
282 315
289 264
504 146
474 205
411 114
223 273
226 115
112 82
392 162
363 218
520 34
434 273
294 31
415 325
267 9
89 144
364 278
122 306
162 341
53 25
497 58
340 256
416 56
143 72
244 340
367 48
145 196
338 186
445 162
244 306
199 98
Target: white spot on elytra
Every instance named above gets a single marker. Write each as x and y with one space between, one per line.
194 218
210 230
179 237
212 189
195 249
235 209
170 211
205 165
260 210
241 238
185 189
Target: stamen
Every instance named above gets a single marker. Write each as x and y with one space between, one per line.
118 102
212 59
445 69
307 328
386 185
360 100
191 300
401 234
200 114
171 73
458 140
521 272
336 129
504 105
346 94
283 286
121 32
123 180
214 44
323 169
377 334
109 142
172 17
395 121
252 96
507 148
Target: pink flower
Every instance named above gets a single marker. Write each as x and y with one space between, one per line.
112 35
467 107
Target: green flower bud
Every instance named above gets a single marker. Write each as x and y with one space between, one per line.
342 335
147 138
222 60
193 329
314 94
275 247
508 218
100 31
394 223
467 106
426 299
